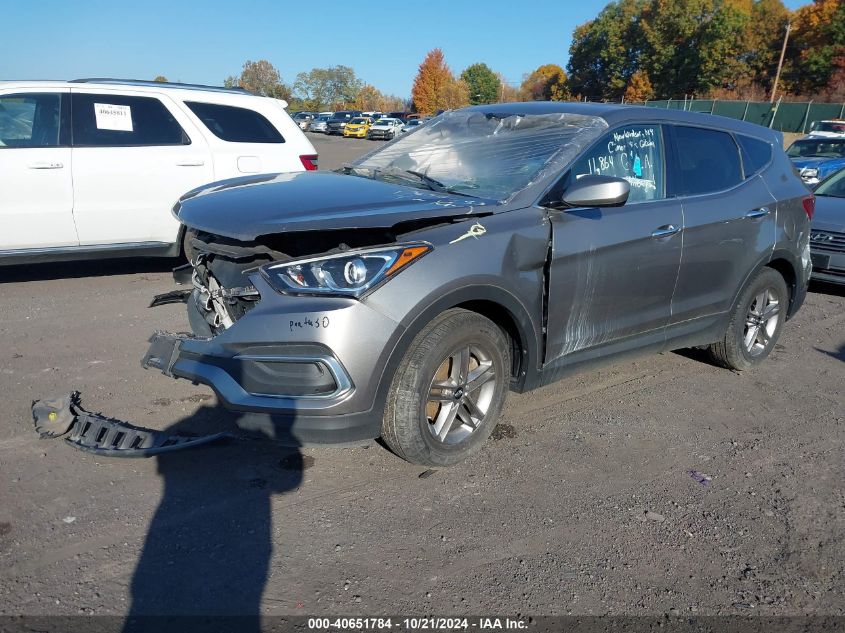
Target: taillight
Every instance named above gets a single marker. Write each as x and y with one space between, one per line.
809 206
309 161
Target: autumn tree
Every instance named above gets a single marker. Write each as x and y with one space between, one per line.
817 40
161 79
546 83
261 78
435 87
482 83
639 87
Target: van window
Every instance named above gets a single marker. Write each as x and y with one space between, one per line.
30 120
113 120
236 125
633 152
708 160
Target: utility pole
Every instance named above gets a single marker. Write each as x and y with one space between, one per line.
780 63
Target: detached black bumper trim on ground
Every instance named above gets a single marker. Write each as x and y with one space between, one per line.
95 433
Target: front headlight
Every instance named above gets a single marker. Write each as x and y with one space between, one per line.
810 172
345 274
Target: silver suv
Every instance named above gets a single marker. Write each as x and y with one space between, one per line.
494 248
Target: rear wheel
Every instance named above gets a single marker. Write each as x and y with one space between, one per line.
756 323
448 391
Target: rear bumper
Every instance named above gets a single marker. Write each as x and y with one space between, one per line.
828 266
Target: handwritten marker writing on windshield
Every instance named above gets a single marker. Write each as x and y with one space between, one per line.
476 230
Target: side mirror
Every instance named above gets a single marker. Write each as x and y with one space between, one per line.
597 191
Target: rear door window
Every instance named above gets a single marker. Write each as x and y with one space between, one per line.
236 125
633 152
113 120
708 161
31 120
755 153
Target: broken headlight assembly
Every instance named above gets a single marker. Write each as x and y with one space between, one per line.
350 274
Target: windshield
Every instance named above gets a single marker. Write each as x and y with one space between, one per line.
341 115
823 148
357 121
830 126
833 186
484 154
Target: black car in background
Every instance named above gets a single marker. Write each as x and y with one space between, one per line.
339 120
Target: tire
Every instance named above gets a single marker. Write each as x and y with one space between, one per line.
756 323
455 349
188 250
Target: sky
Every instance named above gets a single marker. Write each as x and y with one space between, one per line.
204 42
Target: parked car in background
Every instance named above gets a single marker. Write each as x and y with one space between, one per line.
817 158
385 129
91 168
833 128
497 247
357 127
375 115
303 119
339 120
319 124
410 125
397 115
827 235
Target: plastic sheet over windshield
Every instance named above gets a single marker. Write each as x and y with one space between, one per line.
487 154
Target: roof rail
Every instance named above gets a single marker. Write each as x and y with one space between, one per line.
164 84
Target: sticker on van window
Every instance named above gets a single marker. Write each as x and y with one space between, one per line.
113 117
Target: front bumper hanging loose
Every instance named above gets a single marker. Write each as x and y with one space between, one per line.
95 433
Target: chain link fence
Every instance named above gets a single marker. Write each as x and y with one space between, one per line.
781 116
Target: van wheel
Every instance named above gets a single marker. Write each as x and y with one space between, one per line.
448 391
756 323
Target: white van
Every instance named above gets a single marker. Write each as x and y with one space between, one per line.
93 167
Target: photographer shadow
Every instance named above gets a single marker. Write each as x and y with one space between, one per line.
208 548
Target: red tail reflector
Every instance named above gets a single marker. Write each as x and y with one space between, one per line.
809 206
309 161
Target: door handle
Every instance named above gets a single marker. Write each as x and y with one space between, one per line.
45 165
190 163
666 230
758 213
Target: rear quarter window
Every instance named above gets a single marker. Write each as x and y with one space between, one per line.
756 154
708 160
234 124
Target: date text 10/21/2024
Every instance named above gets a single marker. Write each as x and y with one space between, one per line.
417 624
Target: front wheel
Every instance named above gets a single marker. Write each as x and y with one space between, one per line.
448 391
756 323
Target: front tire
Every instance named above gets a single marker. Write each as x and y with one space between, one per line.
448 391
756 323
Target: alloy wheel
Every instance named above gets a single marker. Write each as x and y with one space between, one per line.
460 394
761 322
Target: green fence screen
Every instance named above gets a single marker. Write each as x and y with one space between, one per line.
781 116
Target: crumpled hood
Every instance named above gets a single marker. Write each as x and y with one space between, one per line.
826 166
801 163
245 208
829 214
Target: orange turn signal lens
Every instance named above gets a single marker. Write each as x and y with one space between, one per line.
406 257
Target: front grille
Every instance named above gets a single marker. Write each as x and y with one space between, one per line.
827 241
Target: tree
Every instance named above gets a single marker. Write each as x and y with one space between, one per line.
261 78
817 41
604 52
546 83
482 83
335 87
639 87
160 79
435 88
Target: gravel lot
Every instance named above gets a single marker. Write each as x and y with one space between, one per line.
583 503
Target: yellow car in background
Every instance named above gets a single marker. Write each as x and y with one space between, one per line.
358 127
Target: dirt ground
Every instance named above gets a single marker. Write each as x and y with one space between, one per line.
659 486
